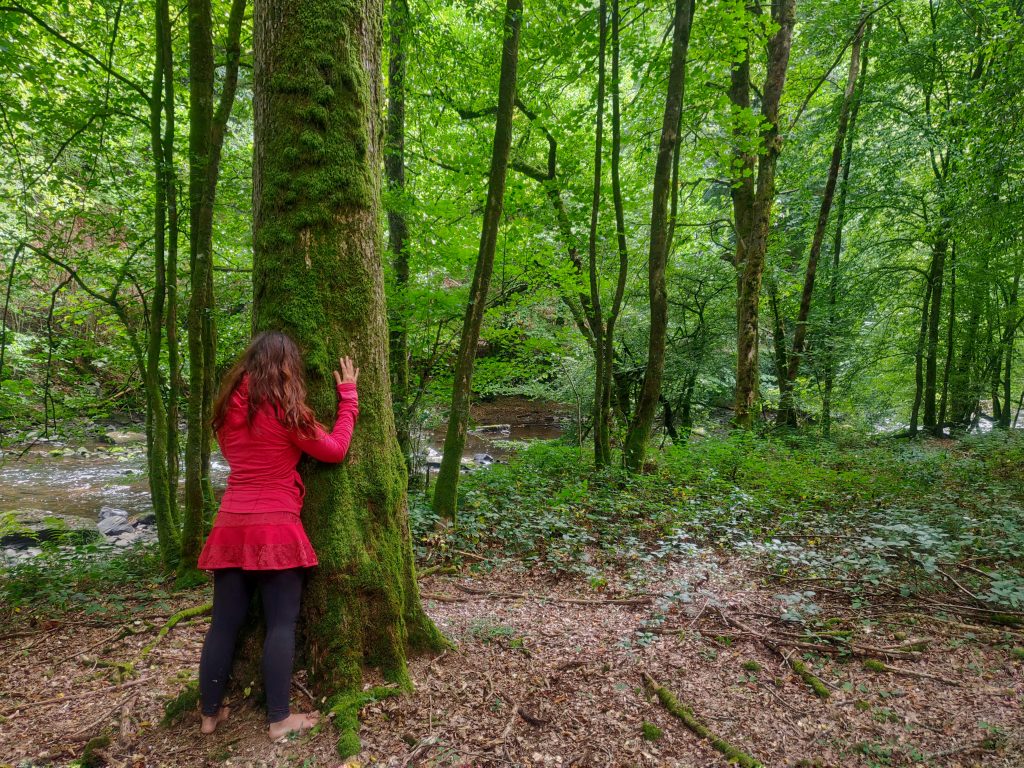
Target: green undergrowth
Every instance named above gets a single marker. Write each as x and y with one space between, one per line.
872 510
88 580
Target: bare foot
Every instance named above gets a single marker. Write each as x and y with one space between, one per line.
210 722
298 721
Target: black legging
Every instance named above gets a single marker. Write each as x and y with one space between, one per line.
232 593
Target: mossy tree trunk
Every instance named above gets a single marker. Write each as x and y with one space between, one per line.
206 140
635 448
317 276
447 486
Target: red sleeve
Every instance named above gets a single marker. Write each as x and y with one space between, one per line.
332 447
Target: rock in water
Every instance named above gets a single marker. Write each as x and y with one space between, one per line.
117 437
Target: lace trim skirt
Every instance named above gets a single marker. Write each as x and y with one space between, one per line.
257 541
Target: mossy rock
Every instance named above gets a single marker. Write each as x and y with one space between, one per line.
31 527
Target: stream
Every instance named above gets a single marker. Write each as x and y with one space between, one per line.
82 484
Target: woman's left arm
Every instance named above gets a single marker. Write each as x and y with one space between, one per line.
332 446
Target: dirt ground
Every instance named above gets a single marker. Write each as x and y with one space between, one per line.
539 680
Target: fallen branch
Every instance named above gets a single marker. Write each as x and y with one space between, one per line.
76 696
644 600
874 665
684 713
815 683
188 613
441 598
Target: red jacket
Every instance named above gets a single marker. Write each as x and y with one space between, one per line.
258 525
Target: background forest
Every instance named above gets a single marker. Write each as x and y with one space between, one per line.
752 268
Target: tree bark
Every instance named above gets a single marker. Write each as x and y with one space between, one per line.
446 487
752 245
317 275
635 448
787 408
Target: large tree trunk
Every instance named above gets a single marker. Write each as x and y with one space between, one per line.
752 245
317 276
787 408
398 227
206 140
635 448
447 486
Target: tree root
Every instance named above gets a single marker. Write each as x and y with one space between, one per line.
188 613
684 713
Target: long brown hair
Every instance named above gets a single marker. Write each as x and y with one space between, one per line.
276 376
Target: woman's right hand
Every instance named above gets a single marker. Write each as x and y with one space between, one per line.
349 373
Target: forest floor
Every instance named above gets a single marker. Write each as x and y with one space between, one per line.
550 673
810 604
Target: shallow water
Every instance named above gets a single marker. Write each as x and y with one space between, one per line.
99 476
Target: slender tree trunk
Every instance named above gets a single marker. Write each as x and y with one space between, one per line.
787 408
398 227
635 448
317 276
620 230
1009 338
919 354
950 335
939 248
778 342
206 138
446 487
156 413
602 449
748 301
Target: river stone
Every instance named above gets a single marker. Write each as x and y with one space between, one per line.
106 511
24 528
483 458
114 526
118 437
500 429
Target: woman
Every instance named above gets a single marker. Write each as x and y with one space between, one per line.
263 426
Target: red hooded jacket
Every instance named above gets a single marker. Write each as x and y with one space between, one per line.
258 526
